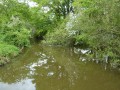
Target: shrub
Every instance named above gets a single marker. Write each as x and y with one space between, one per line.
8 50
59 36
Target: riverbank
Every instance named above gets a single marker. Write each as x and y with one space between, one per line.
6 52
10 52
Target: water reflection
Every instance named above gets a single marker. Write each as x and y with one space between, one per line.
22 85
56 68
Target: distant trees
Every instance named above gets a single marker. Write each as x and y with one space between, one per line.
60 8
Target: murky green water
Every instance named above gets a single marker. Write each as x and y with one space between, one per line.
56 68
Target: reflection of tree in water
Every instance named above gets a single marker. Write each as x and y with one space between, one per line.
47 66
60 72
56 68
13 74
17 71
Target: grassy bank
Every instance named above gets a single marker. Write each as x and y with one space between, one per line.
7 52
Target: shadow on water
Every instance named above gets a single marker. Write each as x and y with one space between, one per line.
56 68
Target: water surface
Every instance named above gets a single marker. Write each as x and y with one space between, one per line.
56 68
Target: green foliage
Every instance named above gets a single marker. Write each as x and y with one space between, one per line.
8 50
14 29
18 38
98 24
59 36
41 24
60 8
16 35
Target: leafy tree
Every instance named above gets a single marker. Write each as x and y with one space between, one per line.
98 24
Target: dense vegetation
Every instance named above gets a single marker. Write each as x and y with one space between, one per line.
93 24
98 24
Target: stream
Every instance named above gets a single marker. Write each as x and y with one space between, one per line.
43 67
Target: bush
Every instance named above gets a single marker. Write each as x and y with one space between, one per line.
15 33
8 50
59 36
